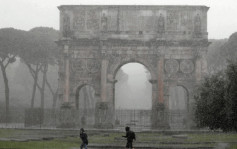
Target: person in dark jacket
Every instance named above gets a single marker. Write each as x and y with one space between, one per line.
130 135
84 139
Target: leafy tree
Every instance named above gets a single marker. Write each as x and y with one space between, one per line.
10 43
231 96
210 111
215 59
216 100
40 53
229 49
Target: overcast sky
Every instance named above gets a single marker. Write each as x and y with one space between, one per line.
26 14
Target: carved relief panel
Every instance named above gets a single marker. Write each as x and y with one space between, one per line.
171 66
172 20
79 20
66 25
179 68
86 71
186 21
112 19
128 20
118 58
93 20
186 66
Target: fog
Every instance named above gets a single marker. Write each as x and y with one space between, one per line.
133 89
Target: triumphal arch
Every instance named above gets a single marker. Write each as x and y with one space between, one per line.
96 40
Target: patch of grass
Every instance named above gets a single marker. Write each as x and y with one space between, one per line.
6 133
213 137
66 139
233 146
55 144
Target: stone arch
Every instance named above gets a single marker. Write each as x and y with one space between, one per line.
117 66
127 114
178 108
187 94
77 90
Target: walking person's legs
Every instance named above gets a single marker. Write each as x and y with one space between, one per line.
81 146
85 146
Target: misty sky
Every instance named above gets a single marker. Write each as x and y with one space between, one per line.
26 14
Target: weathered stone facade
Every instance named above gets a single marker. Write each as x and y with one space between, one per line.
170 41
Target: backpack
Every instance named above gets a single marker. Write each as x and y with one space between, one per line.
133 136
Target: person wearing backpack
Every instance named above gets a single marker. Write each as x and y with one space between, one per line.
130 135
84 139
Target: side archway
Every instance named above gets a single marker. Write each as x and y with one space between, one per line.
85 102
178 106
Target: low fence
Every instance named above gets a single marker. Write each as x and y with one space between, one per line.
52 118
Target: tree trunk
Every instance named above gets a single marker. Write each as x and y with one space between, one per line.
54 94
7 91
35 77
43 85
55 97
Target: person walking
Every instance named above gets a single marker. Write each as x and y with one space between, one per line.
130 135
84 139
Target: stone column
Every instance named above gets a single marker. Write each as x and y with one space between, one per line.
104 65
111 97
160 68
159 120
201 63
198 69
67 76
104 108
67 117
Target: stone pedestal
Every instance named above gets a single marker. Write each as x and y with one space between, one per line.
104 115
159 117
67 116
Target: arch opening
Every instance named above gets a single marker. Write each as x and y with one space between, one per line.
178 107
85 103
133 95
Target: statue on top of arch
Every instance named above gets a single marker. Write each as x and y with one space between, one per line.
197 26
161 24
104 20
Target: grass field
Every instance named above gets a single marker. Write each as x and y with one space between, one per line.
64 139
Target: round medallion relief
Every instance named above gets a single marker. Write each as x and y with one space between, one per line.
78 65
171 66
93 66
186 66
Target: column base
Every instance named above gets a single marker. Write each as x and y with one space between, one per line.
104 115
159 117
68 116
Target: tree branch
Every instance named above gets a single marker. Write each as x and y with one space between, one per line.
40 88
49 86
32 71
9 60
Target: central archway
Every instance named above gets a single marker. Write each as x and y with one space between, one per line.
133 96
